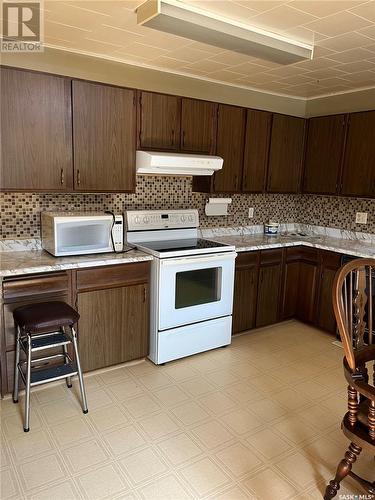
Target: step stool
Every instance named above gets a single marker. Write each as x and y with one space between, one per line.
42 326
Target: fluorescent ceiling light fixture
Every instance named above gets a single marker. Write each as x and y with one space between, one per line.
177 18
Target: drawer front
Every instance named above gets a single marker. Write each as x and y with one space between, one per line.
272 256
247 259
39 285
309 254
113 276
331 259
293 254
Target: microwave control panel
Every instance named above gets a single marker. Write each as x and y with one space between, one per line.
118 233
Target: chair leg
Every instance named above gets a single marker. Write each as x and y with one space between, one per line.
68 380
26 426
80 376
16 362
343 469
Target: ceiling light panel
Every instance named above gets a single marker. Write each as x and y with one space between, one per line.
174 17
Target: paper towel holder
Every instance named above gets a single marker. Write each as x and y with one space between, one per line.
217 206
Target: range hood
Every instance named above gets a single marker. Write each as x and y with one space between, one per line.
157 163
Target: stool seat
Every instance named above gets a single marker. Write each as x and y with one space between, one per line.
44 315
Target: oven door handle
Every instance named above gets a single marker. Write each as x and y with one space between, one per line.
222 257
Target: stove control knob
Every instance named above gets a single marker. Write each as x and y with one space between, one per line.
191 218
183 218
137 219
146 219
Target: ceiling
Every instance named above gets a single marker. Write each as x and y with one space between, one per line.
342 31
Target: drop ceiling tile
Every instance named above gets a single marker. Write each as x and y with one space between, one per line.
227 9
204 47
261 5
281 18
369 31
285 71
208 66
351 55
337 24
322 52
354 67
64 31
322 8
314 64
225 76
296 80
325 73
346 41
361 76
366 10
144 51
248 68
168 63
231 58
334 82
188 54
119 36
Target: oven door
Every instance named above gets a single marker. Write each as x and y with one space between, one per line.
196 288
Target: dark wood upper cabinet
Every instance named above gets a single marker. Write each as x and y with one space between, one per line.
257 143
36 132
198 126
104 134
230 146
286 154
159 121
358 178
324 150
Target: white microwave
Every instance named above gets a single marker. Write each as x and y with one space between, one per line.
75 233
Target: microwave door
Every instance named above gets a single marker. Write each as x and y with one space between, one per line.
78 237
195 289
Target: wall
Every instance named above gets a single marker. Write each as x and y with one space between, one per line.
21 211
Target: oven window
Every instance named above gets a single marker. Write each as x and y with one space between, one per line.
201 286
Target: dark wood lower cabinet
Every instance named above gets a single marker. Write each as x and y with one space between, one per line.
307 284
113 302
269 287
245 292
325 318
113 327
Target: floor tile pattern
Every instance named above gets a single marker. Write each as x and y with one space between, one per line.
225 424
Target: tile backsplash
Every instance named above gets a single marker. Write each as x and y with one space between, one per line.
20 212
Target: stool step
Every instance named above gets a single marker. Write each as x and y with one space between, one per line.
53 373
48 341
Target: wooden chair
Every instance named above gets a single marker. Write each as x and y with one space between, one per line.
353 302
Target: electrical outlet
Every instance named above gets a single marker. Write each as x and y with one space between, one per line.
361 218
251 213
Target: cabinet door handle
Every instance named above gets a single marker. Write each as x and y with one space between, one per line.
183 138
172 138
62 176
144 294
78 177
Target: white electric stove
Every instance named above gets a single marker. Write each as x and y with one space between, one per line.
192 283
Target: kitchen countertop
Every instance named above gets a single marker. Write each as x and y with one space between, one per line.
250 242
39 261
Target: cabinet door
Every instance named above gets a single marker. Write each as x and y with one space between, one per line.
245 292
257 142
159 117
325 317
307 285
230 145
268 295
198 126
359 162
113 327
324 149
36 132
104 133
286 154
290 290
